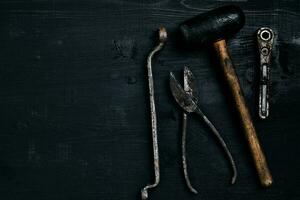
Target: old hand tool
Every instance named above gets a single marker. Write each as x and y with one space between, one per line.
162 39
187 98
189 87
265 38
214 26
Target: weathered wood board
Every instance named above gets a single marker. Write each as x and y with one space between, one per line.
74 112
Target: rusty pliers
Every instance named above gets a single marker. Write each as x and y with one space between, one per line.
187 98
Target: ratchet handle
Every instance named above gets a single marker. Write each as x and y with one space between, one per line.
265 37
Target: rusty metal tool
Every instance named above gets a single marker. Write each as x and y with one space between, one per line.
189 87
187 98
265 38
162 39
215 27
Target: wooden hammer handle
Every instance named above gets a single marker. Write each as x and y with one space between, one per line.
243 112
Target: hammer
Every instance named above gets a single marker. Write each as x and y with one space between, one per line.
214 27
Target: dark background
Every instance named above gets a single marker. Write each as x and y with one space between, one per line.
74 113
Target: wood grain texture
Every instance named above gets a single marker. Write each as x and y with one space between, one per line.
243 113
74 108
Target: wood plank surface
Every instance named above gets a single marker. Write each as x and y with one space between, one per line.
74 114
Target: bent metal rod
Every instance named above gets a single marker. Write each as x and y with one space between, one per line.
162 39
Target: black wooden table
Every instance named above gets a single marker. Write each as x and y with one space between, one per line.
75 121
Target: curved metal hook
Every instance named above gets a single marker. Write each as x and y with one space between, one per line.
162 40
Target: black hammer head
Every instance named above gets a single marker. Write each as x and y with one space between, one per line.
212 26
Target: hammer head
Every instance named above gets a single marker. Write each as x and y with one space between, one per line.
212 26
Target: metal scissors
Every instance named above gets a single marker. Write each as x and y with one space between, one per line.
187 98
